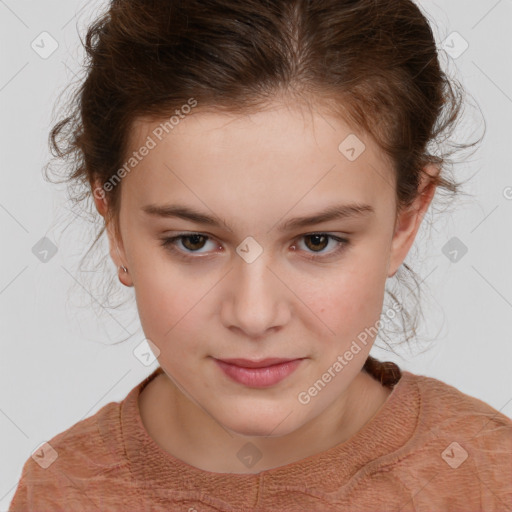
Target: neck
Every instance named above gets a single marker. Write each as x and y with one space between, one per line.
199 440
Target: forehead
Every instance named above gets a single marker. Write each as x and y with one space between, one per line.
279 125
280 151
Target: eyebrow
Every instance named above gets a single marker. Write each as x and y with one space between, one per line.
335 212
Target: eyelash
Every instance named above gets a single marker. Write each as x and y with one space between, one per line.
169 244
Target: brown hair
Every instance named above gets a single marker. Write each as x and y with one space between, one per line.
373 62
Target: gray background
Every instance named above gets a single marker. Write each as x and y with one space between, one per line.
58 364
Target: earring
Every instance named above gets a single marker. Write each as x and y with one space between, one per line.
123 271
122 266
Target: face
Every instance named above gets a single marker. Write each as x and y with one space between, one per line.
247 277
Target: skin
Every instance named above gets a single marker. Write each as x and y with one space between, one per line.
254 172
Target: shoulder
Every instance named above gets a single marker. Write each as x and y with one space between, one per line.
444 408
467 425
461 452
65 470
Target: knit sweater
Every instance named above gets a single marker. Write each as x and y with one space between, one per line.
429 447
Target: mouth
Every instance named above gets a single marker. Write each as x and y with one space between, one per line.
258 374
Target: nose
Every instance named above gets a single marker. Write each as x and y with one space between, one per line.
257 302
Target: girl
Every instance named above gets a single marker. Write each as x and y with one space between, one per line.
263 168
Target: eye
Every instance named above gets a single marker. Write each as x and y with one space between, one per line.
318 241
190 241
193 242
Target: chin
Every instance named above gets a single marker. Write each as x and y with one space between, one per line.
253 424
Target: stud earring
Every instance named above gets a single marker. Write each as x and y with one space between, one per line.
122 267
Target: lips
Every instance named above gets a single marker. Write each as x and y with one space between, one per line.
258 374
262 363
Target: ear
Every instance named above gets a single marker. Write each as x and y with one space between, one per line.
408 221
116 248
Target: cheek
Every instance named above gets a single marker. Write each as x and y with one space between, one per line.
348 302
161 302
170 305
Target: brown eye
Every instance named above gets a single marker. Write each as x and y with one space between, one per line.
186 243
318 242
197 242
188 246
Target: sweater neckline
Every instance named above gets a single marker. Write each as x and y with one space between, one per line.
158 470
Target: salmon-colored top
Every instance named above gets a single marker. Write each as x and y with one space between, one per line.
429 448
